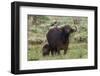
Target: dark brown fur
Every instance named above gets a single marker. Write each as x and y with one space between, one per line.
46 50
58 39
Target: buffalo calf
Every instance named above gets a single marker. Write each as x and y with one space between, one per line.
46 50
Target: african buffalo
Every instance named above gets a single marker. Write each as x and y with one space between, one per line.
58 38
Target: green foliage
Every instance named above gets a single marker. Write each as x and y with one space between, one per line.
37 20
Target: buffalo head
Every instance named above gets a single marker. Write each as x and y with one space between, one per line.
68 29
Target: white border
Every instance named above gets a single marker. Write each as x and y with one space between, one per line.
26 65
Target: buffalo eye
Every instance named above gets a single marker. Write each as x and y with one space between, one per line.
72 30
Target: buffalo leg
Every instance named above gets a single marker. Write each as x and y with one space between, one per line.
58 51
65 50
52 52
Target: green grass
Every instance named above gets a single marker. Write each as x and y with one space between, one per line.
75 51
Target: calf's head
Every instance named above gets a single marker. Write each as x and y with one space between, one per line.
45 50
